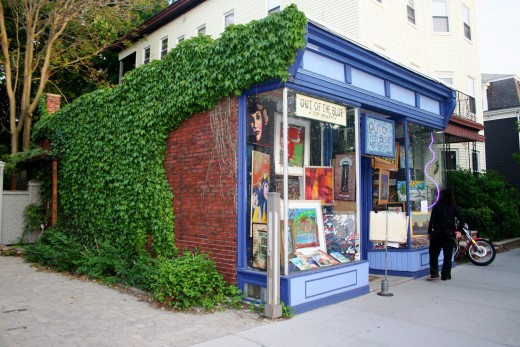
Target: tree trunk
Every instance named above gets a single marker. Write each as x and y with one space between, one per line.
26 144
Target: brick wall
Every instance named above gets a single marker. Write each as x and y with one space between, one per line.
203 179
53 102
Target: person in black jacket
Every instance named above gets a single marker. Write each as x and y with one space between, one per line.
442 231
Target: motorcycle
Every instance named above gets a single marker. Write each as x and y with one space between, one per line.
478 250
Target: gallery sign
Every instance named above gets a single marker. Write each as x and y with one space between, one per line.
320 110
379 136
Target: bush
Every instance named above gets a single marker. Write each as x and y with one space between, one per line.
192 280
488 203
56 250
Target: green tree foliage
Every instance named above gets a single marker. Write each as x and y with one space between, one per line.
42 41
488 203
111 143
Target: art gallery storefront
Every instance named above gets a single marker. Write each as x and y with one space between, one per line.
361 134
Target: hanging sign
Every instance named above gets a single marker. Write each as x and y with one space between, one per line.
320 110
379 136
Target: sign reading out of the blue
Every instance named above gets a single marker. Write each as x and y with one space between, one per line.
379 136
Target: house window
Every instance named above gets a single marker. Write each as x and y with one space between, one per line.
229 18
446 77
146 55
164 46
201 30
475 162
440 16
471 93
467 25
180 39
273 6
450 160
410 9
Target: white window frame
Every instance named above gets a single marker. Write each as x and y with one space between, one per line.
163 48
227 15
440 12
466 19
273 6
201 29
180 39
410 11
471 86
446 77
146 55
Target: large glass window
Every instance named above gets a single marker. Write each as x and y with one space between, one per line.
320 162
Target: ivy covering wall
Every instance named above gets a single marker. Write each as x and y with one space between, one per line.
111 143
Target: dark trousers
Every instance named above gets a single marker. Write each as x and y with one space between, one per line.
438 242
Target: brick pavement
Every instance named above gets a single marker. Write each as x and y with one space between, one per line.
39 308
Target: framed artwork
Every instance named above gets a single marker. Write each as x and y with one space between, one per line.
305 224
396 207
345 177
319 184
388 163
384 179
298 145
260 178
260 121
260 246
295 187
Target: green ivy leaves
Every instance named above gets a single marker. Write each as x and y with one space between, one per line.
111 143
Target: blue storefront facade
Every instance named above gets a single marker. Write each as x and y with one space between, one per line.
349 135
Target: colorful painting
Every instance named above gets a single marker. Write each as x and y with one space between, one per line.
305 224
319 184
298 145
345 177
261 167
340 232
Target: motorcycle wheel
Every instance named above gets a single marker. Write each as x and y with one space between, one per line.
481 254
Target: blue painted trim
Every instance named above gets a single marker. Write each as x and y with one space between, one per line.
293 69
333 299
366 99
242 185
348 74
305 89
353 55
416 274
388 93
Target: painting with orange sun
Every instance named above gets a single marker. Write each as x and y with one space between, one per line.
319 184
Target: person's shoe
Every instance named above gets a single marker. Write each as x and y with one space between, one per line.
432 278
444 278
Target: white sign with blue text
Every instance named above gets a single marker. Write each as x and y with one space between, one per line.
379 136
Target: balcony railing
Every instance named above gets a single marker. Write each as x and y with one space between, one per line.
465 107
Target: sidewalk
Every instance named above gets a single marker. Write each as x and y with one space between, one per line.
480 306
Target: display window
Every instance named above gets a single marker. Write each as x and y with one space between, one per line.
414 179
314 156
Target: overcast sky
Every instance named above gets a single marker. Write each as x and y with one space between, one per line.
498 30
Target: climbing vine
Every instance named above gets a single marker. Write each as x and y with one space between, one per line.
111 143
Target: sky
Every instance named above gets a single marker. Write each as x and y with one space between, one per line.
498 30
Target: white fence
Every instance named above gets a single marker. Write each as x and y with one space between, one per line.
12 207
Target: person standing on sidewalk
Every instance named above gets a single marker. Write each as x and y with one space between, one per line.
441 232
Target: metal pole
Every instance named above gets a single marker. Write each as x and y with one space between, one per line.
384 283
273 309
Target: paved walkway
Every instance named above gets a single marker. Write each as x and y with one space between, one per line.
480 306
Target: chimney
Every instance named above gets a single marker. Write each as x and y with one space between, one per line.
53 103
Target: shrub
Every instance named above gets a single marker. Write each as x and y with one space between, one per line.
191 280
56 250
488 203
